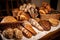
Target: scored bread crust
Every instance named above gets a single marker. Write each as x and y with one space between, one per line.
45 25
28 26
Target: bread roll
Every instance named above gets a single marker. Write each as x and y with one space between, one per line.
53 21
28 26
25 31
23 15
8 33
17 33
35 24
45 25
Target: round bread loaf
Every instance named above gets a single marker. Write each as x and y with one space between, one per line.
17 33
8 33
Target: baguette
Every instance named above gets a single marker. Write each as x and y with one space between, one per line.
26 32
28 26
35 24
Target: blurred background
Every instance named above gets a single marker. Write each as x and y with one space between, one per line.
6 6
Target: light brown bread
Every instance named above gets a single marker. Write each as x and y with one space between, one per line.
8 33
35 24
17 33
25 32
28 26
53 21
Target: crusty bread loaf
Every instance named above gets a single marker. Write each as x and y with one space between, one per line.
28 26
25 32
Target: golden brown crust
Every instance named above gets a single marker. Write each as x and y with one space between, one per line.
28 26
8 33
23 15
8 19
35 24
25 32
17 33
53 21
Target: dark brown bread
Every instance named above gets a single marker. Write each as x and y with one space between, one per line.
45 25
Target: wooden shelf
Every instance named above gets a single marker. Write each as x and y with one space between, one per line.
51 35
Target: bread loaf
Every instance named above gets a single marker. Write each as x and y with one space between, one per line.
25 32
17 33
28 26
8 33
35 24
53 21
45 25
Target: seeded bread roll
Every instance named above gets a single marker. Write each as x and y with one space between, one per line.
8 33
35 24
45 25
53 21
17 33
28 26
25 32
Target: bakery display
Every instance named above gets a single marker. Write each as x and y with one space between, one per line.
28 21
